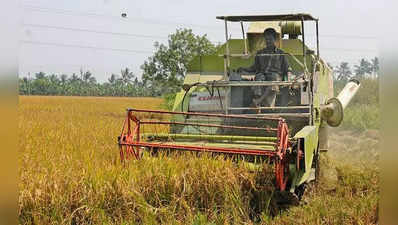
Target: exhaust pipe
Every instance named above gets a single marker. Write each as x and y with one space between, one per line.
333 111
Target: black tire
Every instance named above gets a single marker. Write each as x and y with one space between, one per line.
315 165
300 191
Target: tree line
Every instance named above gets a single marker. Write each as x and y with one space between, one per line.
83 84
163 73
365 69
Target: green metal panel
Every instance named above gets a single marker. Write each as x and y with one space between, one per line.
219 144
293 46
236 46
178 101
309 134
206 63
246 142
215 63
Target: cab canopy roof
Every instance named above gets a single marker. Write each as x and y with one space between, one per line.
277 17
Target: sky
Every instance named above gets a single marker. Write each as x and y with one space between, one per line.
64 36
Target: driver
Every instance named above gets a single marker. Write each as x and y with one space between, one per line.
270 65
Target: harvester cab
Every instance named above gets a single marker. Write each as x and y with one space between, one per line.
214 111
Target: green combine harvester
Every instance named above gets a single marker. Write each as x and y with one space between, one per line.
214 111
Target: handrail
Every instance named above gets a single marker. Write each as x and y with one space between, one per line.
263 54
204 114
249 83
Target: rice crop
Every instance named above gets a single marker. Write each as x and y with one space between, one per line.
70 173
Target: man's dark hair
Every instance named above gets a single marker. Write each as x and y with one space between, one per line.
271 31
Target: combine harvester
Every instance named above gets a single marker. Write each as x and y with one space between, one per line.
213 111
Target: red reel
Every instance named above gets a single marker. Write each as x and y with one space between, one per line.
281 161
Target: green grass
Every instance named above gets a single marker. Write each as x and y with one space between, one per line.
361 117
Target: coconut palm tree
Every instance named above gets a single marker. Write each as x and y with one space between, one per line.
40 75
375 66
343 71
127 77
363 68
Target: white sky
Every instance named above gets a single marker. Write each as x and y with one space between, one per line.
349 30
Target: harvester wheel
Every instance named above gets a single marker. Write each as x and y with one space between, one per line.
300 191
317 168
